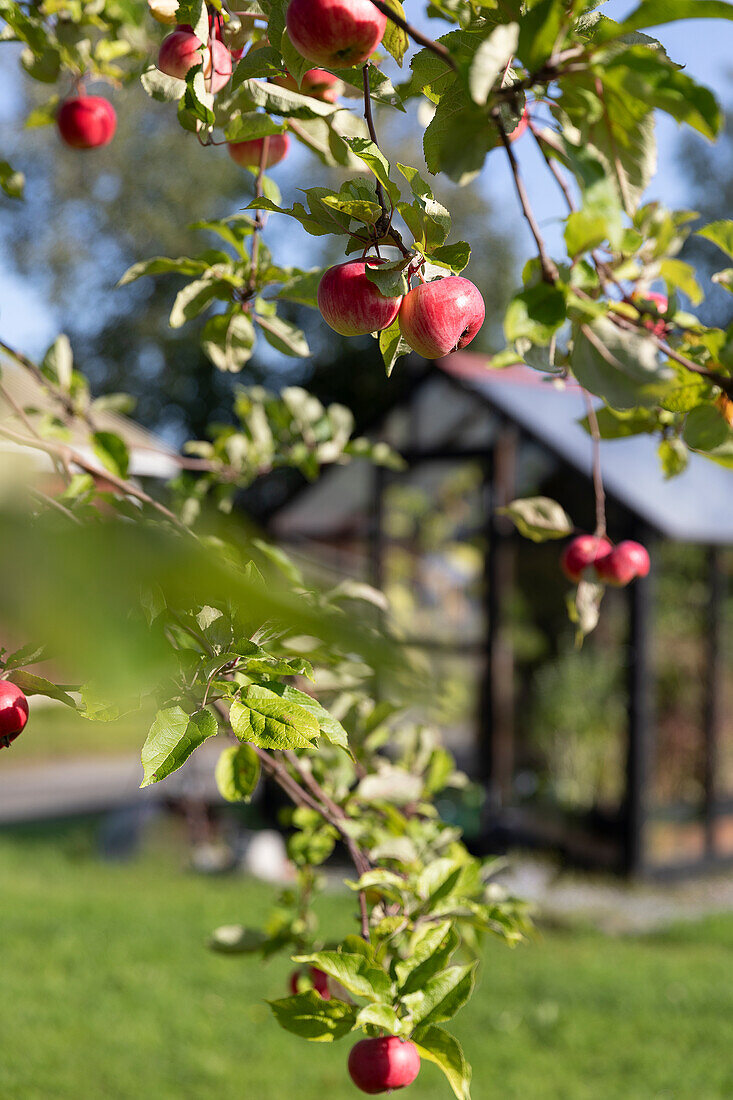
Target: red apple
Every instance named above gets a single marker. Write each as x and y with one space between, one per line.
318 980
317 83
441 316
86 121
623 563
661 301
249 153
351 304
580 553
381 1065
335 33
13 712
181 50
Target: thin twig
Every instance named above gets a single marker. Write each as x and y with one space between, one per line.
417 36
384 225
549 270
559 177
68 455
600 493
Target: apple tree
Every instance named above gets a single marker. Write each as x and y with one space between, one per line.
220 628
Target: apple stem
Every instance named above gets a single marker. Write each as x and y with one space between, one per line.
384 225
598 489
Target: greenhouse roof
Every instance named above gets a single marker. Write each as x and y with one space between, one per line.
695 506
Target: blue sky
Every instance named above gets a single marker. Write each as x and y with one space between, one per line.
704 47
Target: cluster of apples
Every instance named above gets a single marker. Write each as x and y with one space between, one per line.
13 713
594 557
435 318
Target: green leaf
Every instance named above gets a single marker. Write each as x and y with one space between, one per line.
26 655
329 726
381 1016
584 230
430 951
228 339
58 363
30 684
539 32
12 182
192 300
374 158
172 738
161 265
705 428
392 345
535 313
112 451
653 13
166 89
302 288
310 1017
650 77
458 137
673 457
389 278
720 233
354 972
442 996
438 1046
395 40
252 125
621 367
283 335
453 256
491 59
724 278
271 722
237 773
538 518
681 276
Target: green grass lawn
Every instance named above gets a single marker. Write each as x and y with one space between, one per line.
108 993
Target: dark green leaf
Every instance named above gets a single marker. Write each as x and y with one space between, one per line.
172 738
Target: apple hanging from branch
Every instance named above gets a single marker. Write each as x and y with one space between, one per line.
335 33
182 50
351 304
13 712
248 154
384 1064
441 316
86 121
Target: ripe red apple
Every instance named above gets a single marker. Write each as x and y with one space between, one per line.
351 304
580 553
317 83
13 712
381 1065
86 121
249 153
318 980
441 316
181 50
623 563
335 33
661 301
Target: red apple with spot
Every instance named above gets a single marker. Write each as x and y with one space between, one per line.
317 83
443 316
248 154
182 50
318 981
581 553
335 33
623 563
13 712
351 304
382 1065
86 121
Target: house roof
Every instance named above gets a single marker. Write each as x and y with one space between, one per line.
149 457
695 506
